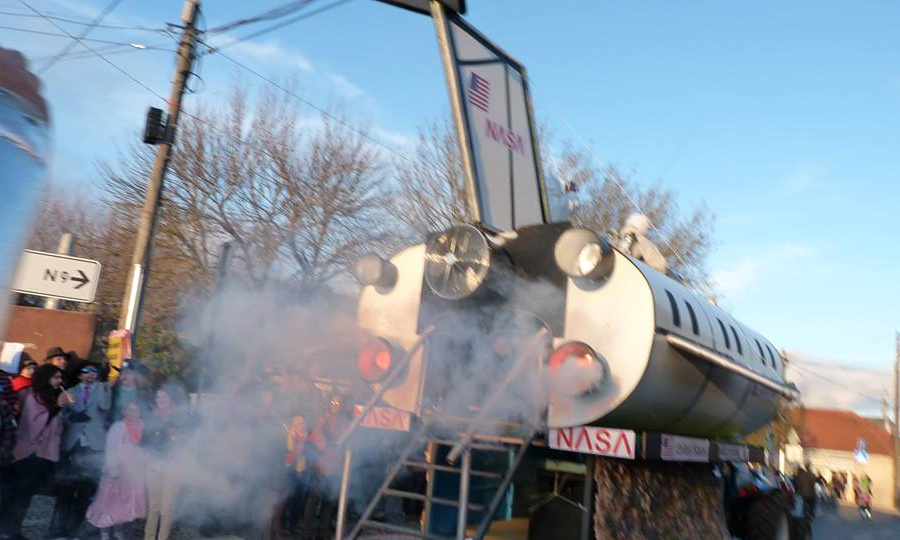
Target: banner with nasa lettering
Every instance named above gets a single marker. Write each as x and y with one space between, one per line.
498 119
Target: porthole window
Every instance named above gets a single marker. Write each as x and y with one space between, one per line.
762 356
676 317
694 326
725 333
737 341
772 356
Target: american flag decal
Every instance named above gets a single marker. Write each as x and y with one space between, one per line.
479 92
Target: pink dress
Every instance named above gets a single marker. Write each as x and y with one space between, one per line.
121 496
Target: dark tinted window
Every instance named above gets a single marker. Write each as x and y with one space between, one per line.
761 355
676 317
772 356
737 341
693 315
725 333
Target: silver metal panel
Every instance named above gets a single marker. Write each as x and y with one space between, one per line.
393 315
616 319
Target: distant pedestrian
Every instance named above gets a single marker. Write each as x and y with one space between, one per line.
805 484
83 442
37 448
121 497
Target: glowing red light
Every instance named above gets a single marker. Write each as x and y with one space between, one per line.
374 360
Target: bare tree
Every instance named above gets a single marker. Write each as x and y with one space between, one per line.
433 196
606 197
301 199
432 189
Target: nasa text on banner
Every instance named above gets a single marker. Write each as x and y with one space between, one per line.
498 120
384 418
618 443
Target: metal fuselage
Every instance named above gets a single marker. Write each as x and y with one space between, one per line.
629 318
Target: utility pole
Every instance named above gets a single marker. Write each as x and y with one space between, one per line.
896 431
140 261
63 248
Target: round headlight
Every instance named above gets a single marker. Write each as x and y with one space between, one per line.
371 269
457 262
580 253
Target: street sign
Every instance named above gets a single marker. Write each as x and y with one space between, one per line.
57 276
861 455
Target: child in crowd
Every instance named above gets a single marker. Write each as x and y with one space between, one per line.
121 497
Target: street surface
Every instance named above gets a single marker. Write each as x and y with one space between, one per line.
845 524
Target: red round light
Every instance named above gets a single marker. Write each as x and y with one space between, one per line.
574 369
374 360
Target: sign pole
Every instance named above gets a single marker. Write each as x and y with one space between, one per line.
63 248
140 262
896 430
453 87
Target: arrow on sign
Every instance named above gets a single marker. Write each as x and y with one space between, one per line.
57 276
81 280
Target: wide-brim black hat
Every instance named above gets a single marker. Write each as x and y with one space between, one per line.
53 352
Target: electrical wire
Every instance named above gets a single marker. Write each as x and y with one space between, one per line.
263 31
810 371
88 47
624 191
311 105
55 34
87 30
273 13
82 23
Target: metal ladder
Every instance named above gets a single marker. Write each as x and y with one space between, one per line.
465 471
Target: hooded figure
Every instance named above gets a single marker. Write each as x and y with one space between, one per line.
634 242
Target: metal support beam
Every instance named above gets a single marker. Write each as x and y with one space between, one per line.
342 497
462 516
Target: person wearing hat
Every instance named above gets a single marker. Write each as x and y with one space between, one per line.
57 357
83 442
27 365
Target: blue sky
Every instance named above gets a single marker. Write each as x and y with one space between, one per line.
783 117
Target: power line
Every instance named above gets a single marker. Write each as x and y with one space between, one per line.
87 30
81 22
844 367
625 192
86 46
263 31
54 34
839 384
274 13
310 104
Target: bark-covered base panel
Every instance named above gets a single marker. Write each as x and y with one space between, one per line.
657 501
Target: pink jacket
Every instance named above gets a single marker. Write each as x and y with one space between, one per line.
36 435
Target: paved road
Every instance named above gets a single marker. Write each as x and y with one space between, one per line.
846 524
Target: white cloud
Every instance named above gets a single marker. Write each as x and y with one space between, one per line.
268 52
801 179
826 384
344 86
741 276
394 139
